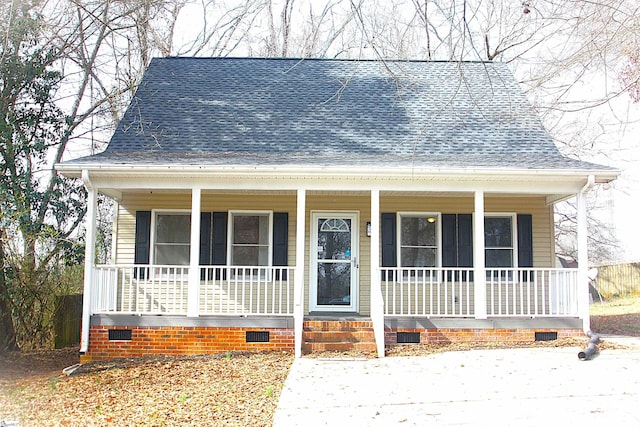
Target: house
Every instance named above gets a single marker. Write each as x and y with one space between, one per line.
305 204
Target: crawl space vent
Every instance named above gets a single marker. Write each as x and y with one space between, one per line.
257 336
546 336
119 334
408 337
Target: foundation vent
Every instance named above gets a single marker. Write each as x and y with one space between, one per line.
119 334
257 336
408 337
546 336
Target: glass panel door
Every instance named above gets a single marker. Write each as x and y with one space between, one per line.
335 262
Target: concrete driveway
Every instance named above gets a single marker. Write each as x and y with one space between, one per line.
515 387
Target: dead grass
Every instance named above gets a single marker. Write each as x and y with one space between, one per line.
235 389
617 316
222 390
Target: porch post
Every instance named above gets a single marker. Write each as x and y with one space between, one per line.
377 303
193 289
89 259
583 257
298 284
479 278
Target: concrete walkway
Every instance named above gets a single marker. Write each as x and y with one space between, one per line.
516 387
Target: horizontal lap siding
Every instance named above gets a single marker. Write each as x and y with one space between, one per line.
543 236
543 240
131 203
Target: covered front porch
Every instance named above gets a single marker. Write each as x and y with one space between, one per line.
255 294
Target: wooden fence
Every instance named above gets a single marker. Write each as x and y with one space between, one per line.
67 320
618 279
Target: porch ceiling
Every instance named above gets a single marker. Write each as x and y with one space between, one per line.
555 185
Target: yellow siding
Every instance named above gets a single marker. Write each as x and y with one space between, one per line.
543 243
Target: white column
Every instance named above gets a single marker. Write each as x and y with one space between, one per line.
193 289
89 259
479 277
377 303
583 262
298 284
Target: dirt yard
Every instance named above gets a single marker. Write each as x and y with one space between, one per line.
223 390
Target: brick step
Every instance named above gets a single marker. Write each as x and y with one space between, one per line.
346 337
338 335
336 325
308 348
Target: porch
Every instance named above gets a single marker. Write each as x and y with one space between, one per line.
280 294
254 298
269 291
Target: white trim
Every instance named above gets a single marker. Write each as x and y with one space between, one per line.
556 183
355 260
377 302
514 234
73 170
89 257
480 280
152 238
231 214
298 290
438 216
193 290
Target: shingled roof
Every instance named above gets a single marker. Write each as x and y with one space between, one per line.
248 111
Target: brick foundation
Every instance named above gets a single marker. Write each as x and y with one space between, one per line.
193 340
181 341
446 336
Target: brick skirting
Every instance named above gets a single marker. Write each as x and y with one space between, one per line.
180 341
193 340
446 335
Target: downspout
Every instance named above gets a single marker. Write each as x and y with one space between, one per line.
89 256
583 256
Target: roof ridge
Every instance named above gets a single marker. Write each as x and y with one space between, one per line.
271 58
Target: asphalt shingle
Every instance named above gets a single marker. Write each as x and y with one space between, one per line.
240 111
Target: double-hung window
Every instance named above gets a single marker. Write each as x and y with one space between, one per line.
172 238
250 238
500 241
419 237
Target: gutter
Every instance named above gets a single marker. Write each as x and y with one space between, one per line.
89 253
583 256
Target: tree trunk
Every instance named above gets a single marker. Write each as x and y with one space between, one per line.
7 331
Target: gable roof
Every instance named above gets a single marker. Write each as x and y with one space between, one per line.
331 113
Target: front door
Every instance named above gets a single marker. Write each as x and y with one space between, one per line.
334 261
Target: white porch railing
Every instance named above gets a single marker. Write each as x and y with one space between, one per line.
137 289
532 292
154 289
247 290
449 292
445 292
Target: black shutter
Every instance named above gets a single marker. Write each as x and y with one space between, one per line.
449 241
389 240
465 240
388 236
280 253
142 247
205 240
525 240
219 239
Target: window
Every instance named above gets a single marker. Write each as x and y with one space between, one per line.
172 238
499 241
250 238
419 240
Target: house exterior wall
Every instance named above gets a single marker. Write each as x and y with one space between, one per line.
542 217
